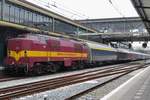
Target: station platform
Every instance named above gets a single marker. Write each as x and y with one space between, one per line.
136 88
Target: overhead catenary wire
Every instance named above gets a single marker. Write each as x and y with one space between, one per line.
45 6
61 9
116 8
119 12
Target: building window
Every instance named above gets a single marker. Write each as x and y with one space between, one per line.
26 16
22 17
30 18
38 18
0 9
34 17
17 14
12 13
63 27
26 19
7 12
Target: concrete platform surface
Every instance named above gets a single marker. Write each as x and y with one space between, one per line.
44 77
136 88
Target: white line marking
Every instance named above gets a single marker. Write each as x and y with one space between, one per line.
108 96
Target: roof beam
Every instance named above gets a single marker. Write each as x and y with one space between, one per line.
145 7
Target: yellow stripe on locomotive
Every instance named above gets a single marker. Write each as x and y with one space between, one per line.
23 53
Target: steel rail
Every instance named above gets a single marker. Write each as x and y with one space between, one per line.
79 75
75 96
59 82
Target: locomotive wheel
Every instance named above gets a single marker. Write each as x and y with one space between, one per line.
53 68
80 66
39 70
74 66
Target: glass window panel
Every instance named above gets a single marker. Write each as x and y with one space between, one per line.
0 9
22 15
50 20
7 12
38 18
30 18
17 14
41 18
25 16
34 17
63 27
26 19
12 13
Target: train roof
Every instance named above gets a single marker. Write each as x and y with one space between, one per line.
99 46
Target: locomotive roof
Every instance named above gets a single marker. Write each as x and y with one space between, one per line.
33 36
92 44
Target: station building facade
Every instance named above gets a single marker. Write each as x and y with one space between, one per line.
113 25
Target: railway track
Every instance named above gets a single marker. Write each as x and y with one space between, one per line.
30 88
4 77
78 95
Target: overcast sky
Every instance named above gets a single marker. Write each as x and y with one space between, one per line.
84 9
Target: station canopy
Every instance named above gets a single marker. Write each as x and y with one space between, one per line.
143 9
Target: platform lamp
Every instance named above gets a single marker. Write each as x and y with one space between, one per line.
144 45
130 45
